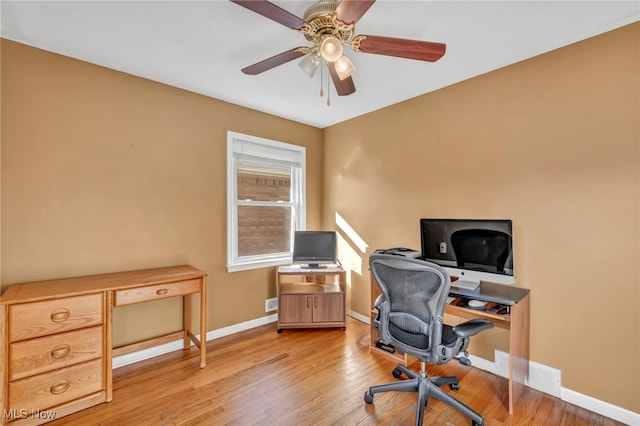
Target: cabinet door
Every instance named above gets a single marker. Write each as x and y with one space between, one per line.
295 308
328 307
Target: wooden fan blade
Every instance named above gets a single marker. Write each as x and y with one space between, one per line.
273 12
343 87
402 48
274 61
350 11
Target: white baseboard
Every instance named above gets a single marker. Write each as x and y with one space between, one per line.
359 317
122 360
614 412
548 380
541 377
133 357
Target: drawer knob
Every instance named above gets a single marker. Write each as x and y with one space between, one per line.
60 351
59 387
60 315
162 292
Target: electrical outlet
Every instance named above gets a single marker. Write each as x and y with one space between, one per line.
271 304
443 247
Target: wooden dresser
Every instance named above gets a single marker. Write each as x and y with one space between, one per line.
56 337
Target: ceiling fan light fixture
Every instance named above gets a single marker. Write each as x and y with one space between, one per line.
330 48
310 63
344 67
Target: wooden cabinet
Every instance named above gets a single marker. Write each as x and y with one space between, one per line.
55 336
56 356
310 298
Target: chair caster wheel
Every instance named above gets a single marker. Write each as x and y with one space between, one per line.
474 423
396 373
455 386
279 331
368 398
464 361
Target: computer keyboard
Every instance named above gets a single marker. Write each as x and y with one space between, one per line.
467 285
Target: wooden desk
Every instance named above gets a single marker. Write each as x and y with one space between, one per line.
518 325
517 322
56 337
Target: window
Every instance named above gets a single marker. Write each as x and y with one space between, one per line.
265 200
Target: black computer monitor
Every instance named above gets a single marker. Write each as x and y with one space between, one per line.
315 249
472 250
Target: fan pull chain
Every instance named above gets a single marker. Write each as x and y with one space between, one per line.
328 85
321 91
328 88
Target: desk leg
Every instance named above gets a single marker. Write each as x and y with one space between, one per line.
186 321
188 335
203 323
518 350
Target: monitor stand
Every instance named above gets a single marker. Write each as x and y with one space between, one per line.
466 284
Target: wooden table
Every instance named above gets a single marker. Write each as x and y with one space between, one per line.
56 337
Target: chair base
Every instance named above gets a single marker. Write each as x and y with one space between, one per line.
425 387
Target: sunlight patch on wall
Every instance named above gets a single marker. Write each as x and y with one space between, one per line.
349 246
344 226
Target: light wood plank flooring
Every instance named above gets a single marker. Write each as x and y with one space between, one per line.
303 377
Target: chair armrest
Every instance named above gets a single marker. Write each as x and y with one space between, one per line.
379 301
382 319
472 327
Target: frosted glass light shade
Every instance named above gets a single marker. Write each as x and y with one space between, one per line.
309 64
330 48
344 67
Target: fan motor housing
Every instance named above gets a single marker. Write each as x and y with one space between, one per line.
320 21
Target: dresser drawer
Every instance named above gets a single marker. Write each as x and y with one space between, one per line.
30 320
43 354
49 390
155 292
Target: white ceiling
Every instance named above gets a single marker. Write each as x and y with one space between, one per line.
202 45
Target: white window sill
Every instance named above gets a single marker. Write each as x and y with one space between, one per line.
257 264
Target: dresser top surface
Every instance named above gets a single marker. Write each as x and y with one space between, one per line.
64 287
298 269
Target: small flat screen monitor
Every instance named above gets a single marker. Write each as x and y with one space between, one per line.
472 250
315 249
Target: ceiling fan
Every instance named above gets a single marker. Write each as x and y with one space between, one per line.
329 25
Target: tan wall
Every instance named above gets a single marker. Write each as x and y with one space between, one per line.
103 172
551 143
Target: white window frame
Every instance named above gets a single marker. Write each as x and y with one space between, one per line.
267 150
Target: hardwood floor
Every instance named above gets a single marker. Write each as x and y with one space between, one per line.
303 377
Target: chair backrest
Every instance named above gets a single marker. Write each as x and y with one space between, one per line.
482 247
415 292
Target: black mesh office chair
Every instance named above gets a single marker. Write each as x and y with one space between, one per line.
410 318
